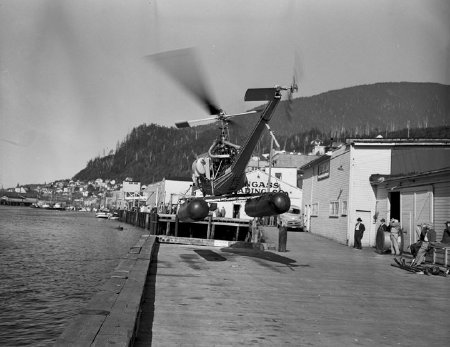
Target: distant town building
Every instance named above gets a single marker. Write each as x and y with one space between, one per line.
282 163
20 190
131 187
18 199
165 194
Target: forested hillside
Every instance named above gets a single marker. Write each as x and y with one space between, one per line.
152 152
363 109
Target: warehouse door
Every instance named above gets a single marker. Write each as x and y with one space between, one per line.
407 237
423 207
416 208
407 219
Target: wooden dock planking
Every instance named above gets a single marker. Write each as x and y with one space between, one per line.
319 293
112 315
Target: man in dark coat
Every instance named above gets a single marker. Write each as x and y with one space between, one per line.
446 234
359 232
383 227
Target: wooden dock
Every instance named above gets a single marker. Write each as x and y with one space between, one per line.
319 293
229 229
112 316
165 294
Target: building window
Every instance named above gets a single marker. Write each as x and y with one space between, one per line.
315 209
278 175
344 208
323 170
334 208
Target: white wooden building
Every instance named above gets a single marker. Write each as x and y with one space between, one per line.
337 188
167 193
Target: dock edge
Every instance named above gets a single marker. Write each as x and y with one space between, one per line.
111 317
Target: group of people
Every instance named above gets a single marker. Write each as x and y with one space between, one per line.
393 228
394 231
425 233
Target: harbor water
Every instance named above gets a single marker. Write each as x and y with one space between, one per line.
51 264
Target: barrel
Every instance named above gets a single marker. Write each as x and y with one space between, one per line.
383 241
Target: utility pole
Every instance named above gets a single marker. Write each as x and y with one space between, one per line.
272 139
270 165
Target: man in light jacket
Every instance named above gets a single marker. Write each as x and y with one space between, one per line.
394 232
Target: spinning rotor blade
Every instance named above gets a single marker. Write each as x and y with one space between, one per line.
240 114
191 123
183 66
236 123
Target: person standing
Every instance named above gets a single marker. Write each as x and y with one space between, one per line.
383 226
359 232
380 239
394 232
446 234
257 234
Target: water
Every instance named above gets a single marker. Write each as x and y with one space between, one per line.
51 264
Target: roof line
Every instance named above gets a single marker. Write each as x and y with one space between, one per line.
315 161
391 178
400 141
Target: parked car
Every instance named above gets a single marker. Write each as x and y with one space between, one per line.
292 219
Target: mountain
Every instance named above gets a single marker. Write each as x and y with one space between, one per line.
382 106
152 152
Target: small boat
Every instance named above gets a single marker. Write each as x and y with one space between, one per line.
58 206
113 216
101 215
104 213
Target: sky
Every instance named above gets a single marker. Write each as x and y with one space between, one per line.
75 77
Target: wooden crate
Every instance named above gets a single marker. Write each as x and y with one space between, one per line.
440 255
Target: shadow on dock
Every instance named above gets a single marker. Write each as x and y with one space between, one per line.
259 254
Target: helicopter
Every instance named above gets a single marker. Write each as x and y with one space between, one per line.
220 173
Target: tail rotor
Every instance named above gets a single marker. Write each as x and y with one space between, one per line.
293 88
